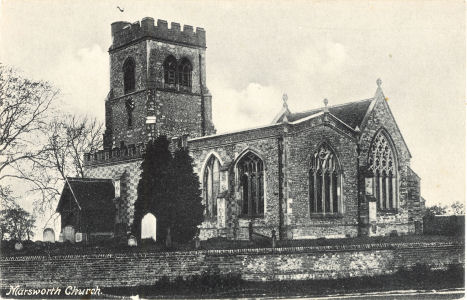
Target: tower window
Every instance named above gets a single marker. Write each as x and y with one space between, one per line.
170 70
324 182
211 186
184 73
129 75
251 175
382 164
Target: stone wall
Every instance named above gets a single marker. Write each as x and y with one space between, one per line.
319 262
128 173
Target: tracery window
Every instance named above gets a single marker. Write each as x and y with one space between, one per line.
382 164
184 73
129 75
170 70
251 180
211 186
324 182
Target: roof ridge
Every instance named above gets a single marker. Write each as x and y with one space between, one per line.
83 179
333 106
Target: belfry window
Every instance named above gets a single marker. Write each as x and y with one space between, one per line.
170 70
211 186
251 180
324 182
382 163
184 73
129 75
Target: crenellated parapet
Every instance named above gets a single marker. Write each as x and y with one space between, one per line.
125 32
114 155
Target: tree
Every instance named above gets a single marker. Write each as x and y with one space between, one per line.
435 210
187 199
153 187
457 208
24 108
67 138
16 224
170 190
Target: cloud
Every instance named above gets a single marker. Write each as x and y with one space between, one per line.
255 105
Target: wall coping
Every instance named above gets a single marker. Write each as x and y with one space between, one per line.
245 251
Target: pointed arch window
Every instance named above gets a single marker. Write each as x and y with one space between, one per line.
129 75
382 164
251 180
325 182
170 70
211 186
184 73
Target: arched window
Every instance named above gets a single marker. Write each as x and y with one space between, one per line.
382 163
211 186
324 182
184 73
170 70
129 75
251 176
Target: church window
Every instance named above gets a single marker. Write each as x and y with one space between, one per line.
251 176
129 75
170 70
211 186
325 179
184 73
382 164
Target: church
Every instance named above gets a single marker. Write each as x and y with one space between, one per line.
334 171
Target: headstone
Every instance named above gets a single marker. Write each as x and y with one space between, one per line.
132 242
18 246
60 238
48 235
148 227
69 234
78 237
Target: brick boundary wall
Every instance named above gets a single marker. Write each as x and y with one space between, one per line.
264 264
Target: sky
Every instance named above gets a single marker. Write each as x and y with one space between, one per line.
258 50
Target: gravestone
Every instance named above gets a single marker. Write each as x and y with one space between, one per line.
60 238
79 237
69 234
148 227
18 246
48 235
132 242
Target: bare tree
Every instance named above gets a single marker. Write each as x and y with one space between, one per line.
24 108
68 138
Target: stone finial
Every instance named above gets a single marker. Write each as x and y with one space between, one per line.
325 101
379 82
284 99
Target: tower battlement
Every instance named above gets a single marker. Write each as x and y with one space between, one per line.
125 32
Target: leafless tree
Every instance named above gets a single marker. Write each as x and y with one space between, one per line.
24 110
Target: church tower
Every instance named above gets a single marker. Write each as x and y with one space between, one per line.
157 83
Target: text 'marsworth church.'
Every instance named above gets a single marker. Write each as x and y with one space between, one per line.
334 171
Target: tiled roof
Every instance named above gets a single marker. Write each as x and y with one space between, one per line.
89 192
351 113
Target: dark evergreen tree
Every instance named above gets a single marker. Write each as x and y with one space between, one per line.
154 186
186 206
169 189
